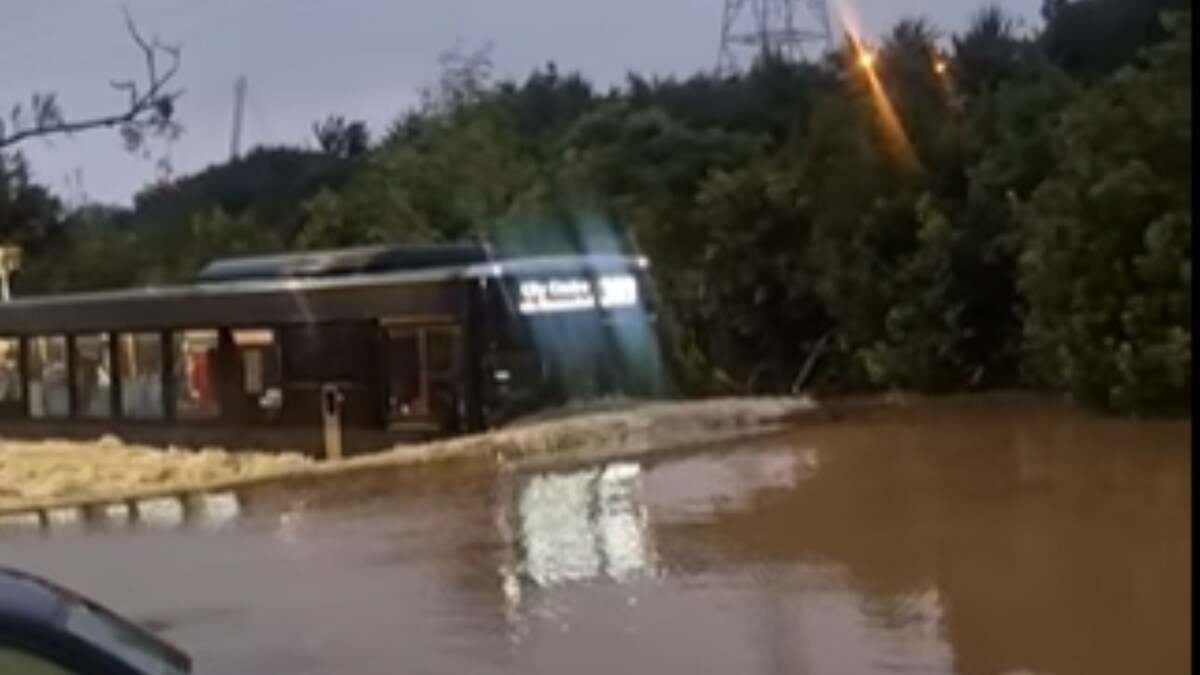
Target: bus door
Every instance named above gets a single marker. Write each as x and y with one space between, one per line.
423 382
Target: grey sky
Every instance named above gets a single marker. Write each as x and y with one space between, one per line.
365 59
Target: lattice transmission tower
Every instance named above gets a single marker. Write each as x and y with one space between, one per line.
787 29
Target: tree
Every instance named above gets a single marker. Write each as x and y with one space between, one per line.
267 185
30 216
217 234
325 224
1092 38
1107 265
546 104
866 173
448 171
150 109
97 250
339 138
988 53
31 224
748 300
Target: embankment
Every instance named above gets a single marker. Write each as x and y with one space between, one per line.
60 474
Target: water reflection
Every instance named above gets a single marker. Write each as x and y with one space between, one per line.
579 526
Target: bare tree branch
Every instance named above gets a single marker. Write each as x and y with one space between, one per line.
149 111
128 86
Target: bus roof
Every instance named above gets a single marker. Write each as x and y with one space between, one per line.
516 267
343 262
171 306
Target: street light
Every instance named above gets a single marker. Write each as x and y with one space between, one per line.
866 59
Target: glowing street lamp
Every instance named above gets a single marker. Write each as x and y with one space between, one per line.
866 59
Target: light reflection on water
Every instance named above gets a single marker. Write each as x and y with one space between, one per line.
983 541
583 525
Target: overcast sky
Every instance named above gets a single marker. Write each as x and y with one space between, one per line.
364 59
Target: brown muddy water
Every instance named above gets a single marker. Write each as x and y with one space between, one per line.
994 537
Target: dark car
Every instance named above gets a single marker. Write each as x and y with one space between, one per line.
48 630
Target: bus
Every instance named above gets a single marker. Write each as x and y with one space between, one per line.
399 343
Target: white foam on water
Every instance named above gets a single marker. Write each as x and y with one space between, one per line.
162 512
118 513
218 510
65 517
20 521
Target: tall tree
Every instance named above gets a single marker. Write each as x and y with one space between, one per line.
1107 266
340 138
1091 38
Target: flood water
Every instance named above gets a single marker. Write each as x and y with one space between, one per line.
994 537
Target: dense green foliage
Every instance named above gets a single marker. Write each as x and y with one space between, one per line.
1017 214
1107 265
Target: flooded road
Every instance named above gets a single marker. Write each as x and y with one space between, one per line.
959 537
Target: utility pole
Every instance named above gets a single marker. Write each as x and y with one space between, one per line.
783 29
239 112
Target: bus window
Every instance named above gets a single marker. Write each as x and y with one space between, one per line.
12 393
49 391
195 376
259 361
93 376
140 357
